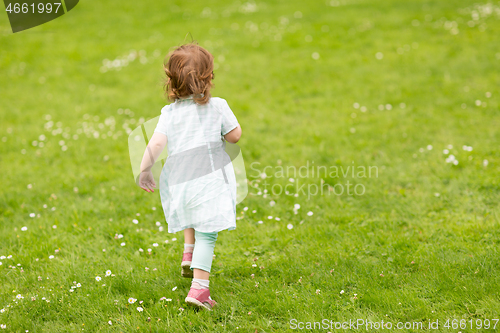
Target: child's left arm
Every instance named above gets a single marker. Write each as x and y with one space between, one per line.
153 150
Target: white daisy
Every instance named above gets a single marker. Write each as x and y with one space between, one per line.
24 228
98 278
139 309
108 272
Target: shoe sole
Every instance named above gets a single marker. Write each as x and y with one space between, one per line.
186 269
194 302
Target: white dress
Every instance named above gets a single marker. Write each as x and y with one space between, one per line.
197 182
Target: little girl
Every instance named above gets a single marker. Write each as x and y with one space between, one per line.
197 183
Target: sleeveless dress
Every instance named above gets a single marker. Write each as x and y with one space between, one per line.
197 183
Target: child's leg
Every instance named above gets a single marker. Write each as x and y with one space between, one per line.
188 253
199 294
188 240
203 256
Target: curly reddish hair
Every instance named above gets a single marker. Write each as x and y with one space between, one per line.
189 71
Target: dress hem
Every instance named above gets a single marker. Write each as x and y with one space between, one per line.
170 231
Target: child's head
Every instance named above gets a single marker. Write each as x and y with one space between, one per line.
189 71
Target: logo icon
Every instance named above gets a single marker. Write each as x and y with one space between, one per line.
190 164
26 14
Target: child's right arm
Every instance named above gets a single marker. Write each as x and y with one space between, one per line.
153 150
233 136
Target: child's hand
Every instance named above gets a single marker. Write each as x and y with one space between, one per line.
147 181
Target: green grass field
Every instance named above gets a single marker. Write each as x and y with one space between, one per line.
398 86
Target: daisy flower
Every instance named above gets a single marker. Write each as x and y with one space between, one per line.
140 309
98 278
108 272
132 300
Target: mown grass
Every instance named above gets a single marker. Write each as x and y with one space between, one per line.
420 244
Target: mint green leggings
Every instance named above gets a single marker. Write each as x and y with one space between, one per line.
204 243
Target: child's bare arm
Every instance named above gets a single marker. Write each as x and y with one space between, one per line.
233 136
153 150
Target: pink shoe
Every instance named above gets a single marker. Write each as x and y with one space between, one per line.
186 265
200 298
